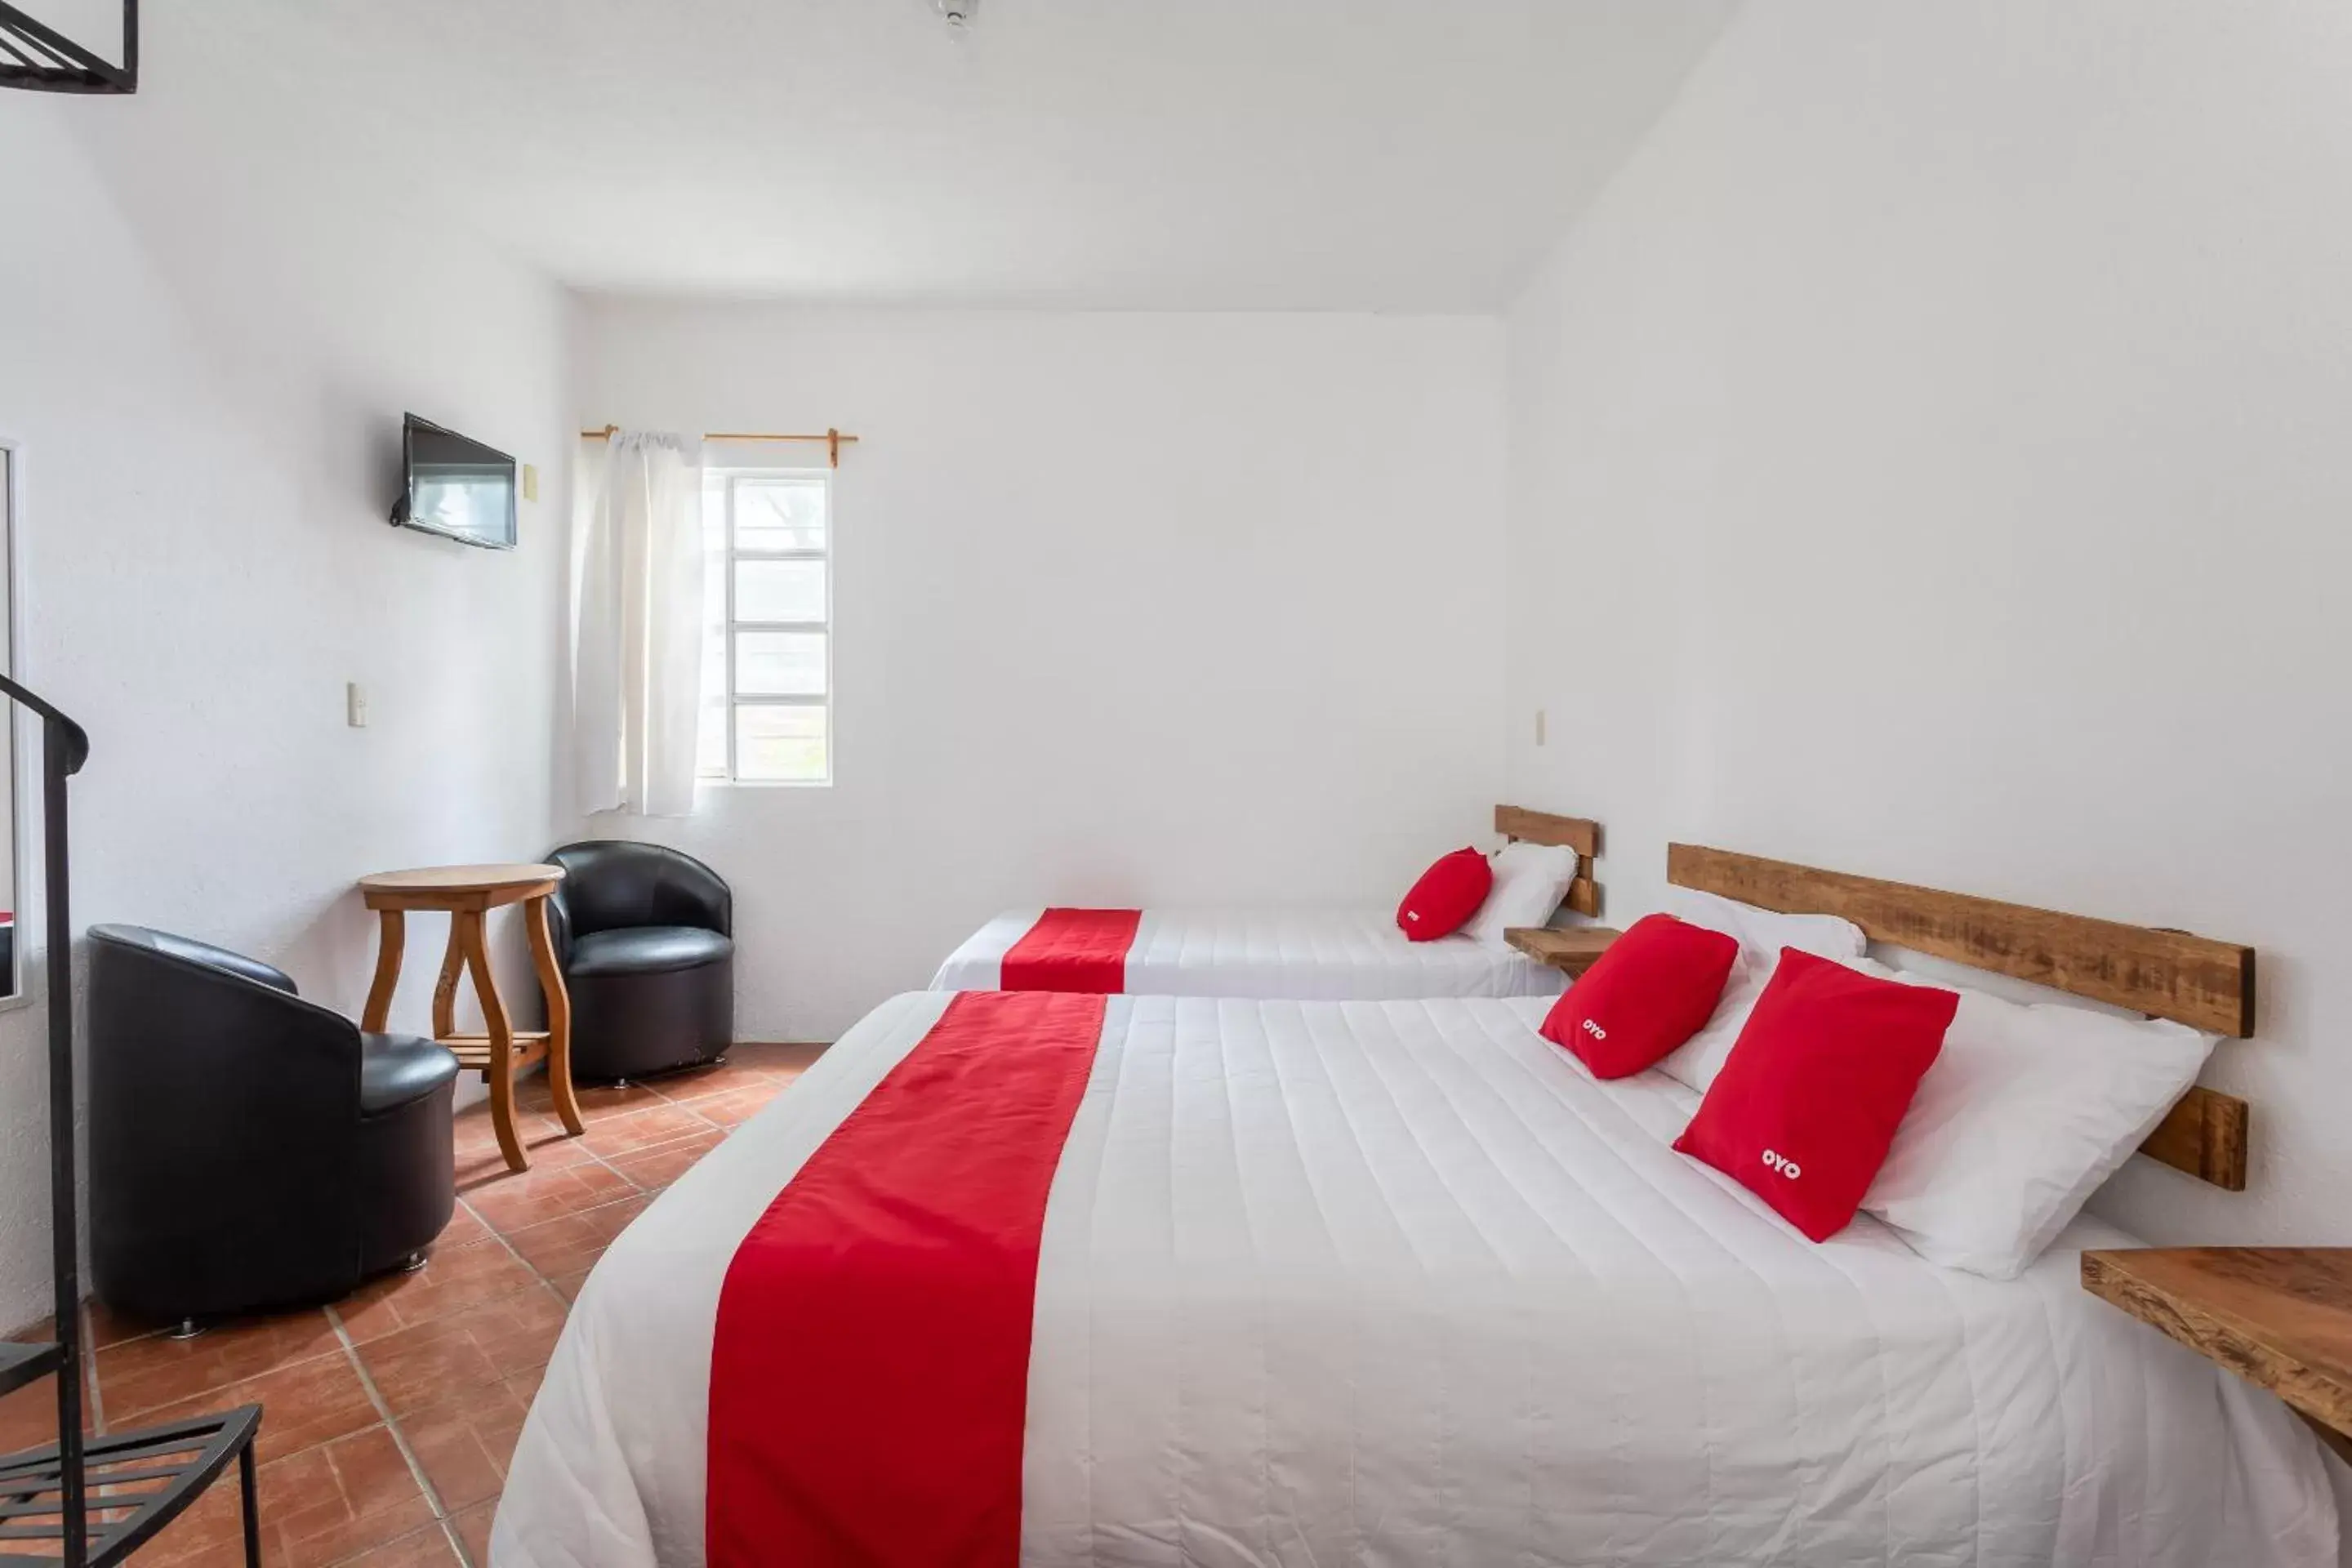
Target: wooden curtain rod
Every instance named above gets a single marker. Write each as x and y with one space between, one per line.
834 439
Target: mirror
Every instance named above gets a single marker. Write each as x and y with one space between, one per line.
12 977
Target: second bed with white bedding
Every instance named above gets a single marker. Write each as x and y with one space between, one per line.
1311 954
1398 1282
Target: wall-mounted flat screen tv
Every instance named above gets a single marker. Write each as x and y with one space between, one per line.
455 487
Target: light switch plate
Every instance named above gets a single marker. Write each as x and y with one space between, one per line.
529 481
1539 726
355 705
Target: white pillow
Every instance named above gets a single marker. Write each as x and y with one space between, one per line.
1762 933
1531 879
2026 1112
1695 1062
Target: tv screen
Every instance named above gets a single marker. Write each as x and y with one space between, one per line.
456 487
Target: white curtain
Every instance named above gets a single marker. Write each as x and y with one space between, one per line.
636 623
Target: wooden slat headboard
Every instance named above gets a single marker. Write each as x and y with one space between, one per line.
2194 980
1567 832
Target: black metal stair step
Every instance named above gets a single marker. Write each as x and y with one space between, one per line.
136 1483
21 1363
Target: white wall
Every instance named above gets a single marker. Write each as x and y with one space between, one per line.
1928 460
1130 608
206 354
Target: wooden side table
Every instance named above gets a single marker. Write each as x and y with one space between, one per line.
2279 1317
466 894
1571 952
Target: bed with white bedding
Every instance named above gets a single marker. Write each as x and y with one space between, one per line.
1310 954
1397 1282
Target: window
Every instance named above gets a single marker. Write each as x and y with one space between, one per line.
767 642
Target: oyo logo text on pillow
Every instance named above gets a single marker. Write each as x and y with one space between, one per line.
1595 1030
1782 1163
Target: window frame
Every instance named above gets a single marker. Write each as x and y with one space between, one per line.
727 477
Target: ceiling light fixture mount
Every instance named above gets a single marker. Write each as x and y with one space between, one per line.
958 14
37 56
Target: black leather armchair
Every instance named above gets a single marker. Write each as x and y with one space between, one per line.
645 936
249 1149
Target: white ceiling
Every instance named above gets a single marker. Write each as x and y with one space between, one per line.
1329 154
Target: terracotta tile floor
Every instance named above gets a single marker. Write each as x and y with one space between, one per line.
389 1416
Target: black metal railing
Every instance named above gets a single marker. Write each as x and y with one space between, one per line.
37 56
97 1500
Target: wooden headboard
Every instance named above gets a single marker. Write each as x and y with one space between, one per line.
2193 980
1567 833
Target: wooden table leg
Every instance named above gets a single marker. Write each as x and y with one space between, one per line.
500 1070
559 1016
391 940
444 990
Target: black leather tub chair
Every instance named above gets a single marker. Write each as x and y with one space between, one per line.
247 1149
645 936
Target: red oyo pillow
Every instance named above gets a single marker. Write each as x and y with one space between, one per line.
1807 1104
1656 987
1445 898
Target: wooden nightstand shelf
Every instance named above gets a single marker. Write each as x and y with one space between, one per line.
2279 1317
1570 952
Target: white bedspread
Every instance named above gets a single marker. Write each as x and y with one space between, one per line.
1334 955
1398 1283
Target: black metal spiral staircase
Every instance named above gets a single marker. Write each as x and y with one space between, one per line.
84 1500
37 56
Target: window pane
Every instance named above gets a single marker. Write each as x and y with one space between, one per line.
780 514
780 664
780 591
713 738
781 745
710 740
714 662
714 582
714 511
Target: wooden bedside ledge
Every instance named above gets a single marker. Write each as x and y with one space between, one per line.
2279 1317
1571 952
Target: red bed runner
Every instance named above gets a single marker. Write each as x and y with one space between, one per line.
1073 950
869 1371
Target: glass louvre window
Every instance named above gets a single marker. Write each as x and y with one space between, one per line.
767 632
